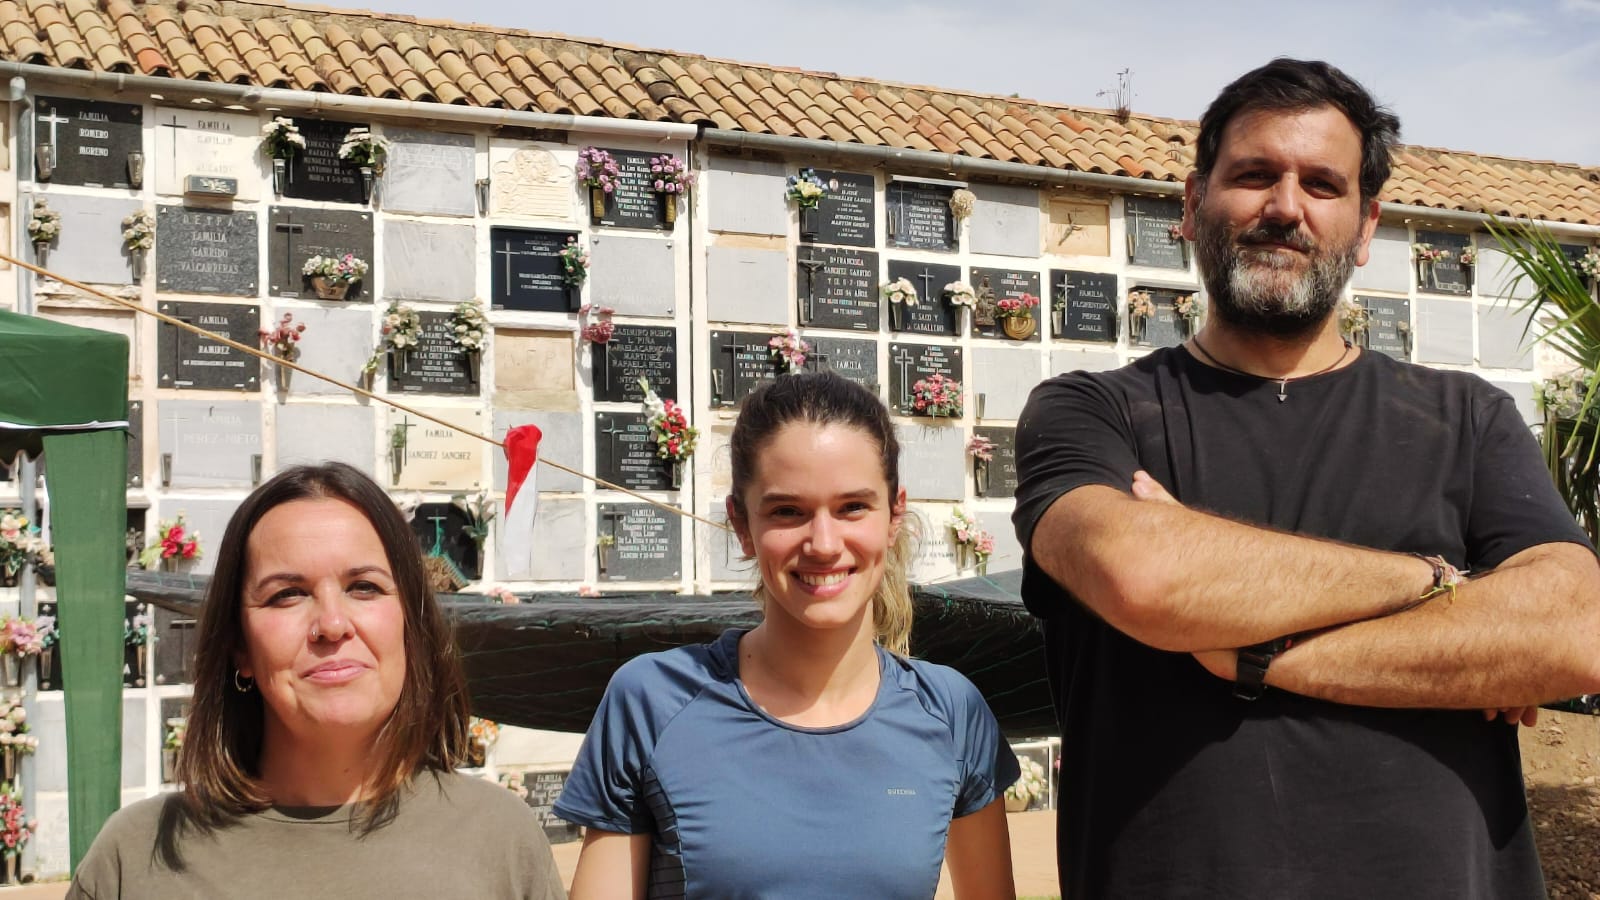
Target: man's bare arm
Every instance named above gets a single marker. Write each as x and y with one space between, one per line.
1526 633
1216 583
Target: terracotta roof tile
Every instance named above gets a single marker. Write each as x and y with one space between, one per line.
290 44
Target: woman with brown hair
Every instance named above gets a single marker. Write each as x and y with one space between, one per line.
809 756
329 711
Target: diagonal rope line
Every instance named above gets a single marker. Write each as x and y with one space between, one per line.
355 389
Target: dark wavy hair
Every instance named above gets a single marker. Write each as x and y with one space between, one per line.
219 762
1293 85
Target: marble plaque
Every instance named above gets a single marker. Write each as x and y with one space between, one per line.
1078 228
135 443
848 358
909 363
837 288
1007 555
1164 329
560 441
1003 376
426 456
317 172
848 213
625 453
1388 325
429 261
1004 221
935 558
1447 275
722 547
740 362
174 647
636 276
1063 360
207 518
1084 306
1522 395
1497 275
636 351
919 215
932 314
534 369
649 543
1002 469
525 270
1388 265
746 196
89 247
91 140
932 461
530 181
336 341
994 285
561 538
208 144
441 530
747 285
187 360
430 173
309 433
1444 331
206 252
436 365
209 445
1149 222
1506 336
634 203
295 234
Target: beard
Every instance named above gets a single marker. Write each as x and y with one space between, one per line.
1257 289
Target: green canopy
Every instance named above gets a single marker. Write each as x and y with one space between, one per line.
64 392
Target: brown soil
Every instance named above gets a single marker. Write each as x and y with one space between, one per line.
1561 764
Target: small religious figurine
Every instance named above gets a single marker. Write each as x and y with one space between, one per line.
983 313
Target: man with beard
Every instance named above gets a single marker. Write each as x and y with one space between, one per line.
1269 487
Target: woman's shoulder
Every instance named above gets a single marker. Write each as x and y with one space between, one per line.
682 669
139 821
945 692
479 797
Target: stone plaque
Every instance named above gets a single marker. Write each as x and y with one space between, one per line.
650 351
205 252
310 433
1151 241
722 546
999 381
430 173
837 288
932 314
633 204
1078 228
525 270
560 441
1447 275
427 456
852 359
336 342
634 275
295 234
625 453
1084 305
1005 221
909 363
1388 325
209 445
748 284
49 661
562 542
89 246
1388 265
919 215
90 140
1007 556
210 186
436 365
187 360
136 443
317 172
847 213
994 285
1002 470
649 542
207 518
933 460
1162 329
528 180
740 362
541 790
1444 331
429 260
175 645
137 666
197 147
441 529
746 196
1506 336
534 369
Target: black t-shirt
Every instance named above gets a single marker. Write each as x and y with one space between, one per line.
1171 787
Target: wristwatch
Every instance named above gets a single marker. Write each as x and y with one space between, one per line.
1250 675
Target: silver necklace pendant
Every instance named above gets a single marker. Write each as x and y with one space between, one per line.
1283 390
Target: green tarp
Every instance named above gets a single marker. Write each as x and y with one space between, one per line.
64 392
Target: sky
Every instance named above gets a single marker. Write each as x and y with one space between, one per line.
1516 78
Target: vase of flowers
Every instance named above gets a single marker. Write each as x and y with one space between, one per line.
595 325
367 152
1354 321
19 639
136 634
936 396
1016 316
332 276
171 744
1141 307
138 236
806 190
44 226
468 325
1425 256
19 545
45 627
962 202
789 351
1468 259
675 438
599 172
973 544
175 542
1175 235
981 449
15 830
1188 309
15 741
900 293
1589 267
602 549
368 376
397 451
283 342
574 271
964 299
670 178
1058 315
281 140
402 332
1031 786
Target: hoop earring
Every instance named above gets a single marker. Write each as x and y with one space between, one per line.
243 687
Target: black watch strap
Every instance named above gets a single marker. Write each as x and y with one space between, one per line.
1250 676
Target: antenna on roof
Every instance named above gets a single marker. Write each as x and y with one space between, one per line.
1122 97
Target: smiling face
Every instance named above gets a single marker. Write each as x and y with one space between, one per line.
323 624
1279 223
819 522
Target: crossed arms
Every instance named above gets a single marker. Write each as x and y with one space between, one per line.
1525 633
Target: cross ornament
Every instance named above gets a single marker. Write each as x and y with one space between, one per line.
54 119
174 136
288 229
1133 233
810 264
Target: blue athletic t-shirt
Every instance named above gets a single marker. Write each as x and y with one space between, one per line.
741 804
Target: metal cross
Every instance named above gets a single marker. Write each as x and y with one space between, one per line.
287 228
405 424
54 119
438 535
612 516
175 129
508 251
811 264
613 431
1133 233
905 383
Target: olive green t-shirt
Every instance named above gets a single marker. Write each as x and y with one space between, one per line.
453 836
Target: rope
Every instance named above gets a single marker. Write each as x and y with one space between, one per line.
355 389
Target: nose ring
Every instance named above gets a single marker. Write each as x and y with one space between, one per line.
316 632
